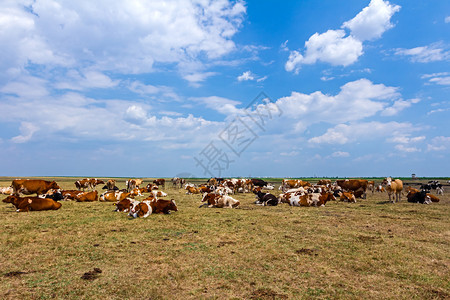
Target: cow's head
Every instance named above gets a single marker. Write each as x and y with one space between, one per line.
172 205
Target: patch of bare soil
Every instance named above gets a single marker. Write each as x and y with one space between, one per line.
91 275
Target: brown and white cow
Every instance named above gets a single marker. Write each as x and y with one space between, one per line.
157 194
293 183
163 206
192 190
348 197
393 187
32 186
160 181
87 197
126 204
6 190
113 196
142 210
70 194
131 184
82 184
93 182
357 186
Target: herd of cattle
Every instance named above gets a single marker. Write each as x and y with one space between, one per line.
216 192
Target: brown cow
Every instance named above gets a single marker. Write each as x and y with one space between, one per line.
348 197
94 182
160 181
113 196
163 206
70 194
87 197
111 184
293 183
82 184
32 186
324 182
192 190
126 204
393 187
35 204
354 185
133 183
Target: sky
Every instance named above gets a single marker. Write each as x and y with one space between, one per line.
222 88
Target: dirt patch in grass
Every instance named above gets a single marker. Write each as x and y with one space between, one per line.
266 293
91 275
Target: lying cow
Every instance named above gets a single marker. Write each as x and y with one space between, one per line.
6 190
157 194
32 186
26 204
348 197
163 206
219 201
265 199
142 210
87 197
126 205
113 196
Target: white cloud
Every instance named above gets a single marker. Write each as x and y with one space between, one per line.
398 106
425 54
357 100
372 21
404 148
88 79
340 154
442 78
27 130
347 133
246 76
196 78
135 114
127 37
405 139
339 49
439 143
222 105
447 19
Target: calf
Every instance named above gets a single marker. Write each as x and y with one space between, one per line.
266 199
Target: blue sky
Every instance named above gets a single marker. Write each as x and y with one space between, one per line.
163 88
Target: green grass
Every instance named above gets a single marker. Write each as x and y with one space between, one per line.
371 249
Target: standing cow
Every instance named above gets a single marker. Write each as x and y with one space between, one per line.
32 186
393 187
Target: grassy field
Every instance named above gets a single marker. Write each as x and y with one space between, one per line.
369 250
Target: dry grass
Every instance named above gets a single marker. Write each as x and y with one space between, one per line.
371 249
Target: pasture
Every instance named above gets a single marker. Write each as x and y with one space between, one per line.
371 249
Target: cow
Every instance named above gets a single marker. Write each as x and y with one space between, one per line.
212 181
354 185
163 206
52 194
82 184
265 199
176 181
259 182
142 209
110 185
27 204
157 194
150 187
371 186
87 197
348 197
113 196
32 186
209 199
433 198
131 184
380 188
125 205
135 192
393 187
440 190
425 187
268 187
418 197
192 190
6 190
93 182
70 194
293 183
324 182
160 181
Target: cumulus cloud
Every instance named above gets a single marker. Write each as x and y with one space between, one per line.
340 154
346 133
128 37
222 105
356 100
372 21
398 106
246 76
339 49
447 19
425 54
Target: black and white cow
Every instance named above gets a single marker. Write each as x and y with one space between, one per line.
265 199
